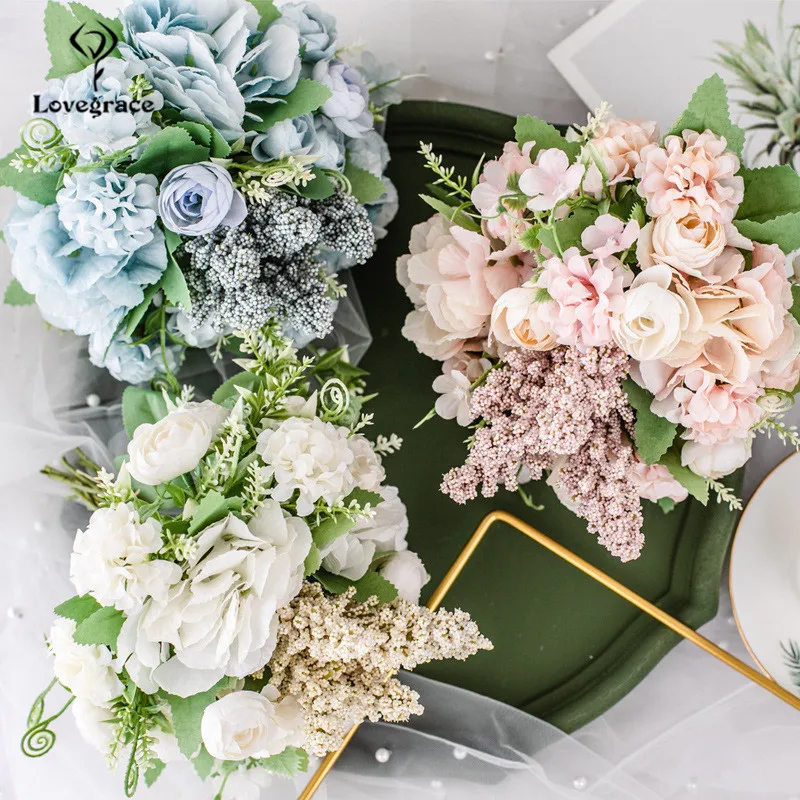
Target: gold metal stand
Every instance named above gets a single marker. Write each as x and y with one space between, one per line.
584 566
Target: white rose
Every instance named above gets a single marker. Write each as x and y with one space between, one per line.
407 573
520 319
308 456
222 618
348 556
174 445
689 244
715 461
111 559
251 725
654 318
86 670
94 723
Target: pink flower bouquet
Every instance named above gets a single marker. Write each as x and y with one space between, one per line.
613 312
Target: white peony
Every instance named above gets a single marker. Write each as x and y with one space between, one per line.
653 320
521 319
367 469
308 456
94 723
252 725
174 445
407 573
352 554
715 461
111 559
222 618
86 670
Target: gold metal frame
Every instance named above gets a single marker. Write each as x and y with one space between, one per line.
593 572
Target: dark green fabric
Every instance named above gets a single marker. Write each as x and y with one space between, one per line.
566 648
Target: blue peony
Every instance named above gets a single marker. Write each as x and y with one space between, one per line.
132 363
75 288
370 152
348 105
108 211
272 67
317 30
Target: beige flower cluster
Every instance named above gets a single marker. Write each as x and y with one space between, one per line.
338 658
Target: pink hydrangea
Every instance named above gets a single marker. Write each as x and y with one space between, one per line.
588 295
609 235
655 482
710 411
619 143
550 180
694 172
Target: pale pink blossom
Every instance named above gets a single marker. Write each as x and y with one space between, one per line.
715 461
693 170
609 235
521 318
455 389
550 180
782 370
710 411
655 482
619 144
587 295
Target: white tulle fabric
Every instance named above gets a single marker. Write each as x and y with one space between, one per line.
691 729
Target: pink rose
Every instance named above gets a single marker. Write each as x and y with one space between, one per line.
655 482
695 169
521 319
619 145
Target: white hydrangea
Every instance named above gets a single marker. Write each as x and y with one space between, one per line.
86 670
367 469
221 619
308 456
111 559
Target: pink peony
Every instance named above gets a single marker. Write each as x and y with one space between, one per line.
587 296
448 277
609 235
782 368
550 180
619 144
655 482
695 171
710 411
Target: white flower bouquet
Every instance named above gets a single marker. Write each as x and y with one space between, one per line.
194 168
244 591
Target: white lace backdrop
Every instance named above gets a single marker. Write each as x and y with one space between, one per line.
692 729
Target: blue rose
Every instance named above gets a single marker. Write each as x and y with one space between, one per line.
317 30
272 67
197 198
348 105
370 152
330 143
75 288
108 211
290 137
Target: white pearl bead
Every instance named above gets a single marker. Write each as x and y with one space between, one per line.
459 753
580 783
92 400
382 755
13 613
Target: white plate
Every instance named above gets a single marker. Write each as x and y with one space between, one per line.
765 573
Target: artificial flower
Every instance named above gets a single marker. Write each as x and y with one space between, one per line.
272 67
136 362
521 317
317 30
715 461
550 180
655 482
609 235
406 572
348 105
618 143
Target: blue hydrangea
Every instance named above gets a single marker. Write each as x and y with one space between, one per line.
382 79
330 143
272 67
304 135
75 288
317 30
384 209
133 363
108 211
370 152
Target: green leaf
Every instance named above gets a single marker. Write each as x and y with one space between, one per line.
370 585
60 22
795 309
78 608
289 763
654 435
769 192
305 98
667 504
319 188
530 238
187 714
364 498
16 296
174 285
268 12
783 231
41 187
212 508
313 560
454 215
365 187
203 763
694 484
169 148
708 110
100 628
136 315
567 232
140 406
532 129
207 136
330 530
154 772
228 389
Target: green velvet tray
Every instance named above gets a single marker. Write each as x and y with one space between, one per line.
566 648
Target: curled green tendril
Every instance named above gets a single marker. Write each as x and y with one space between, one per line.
132 772
334 399
40 135
38 740
340 180
776 401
